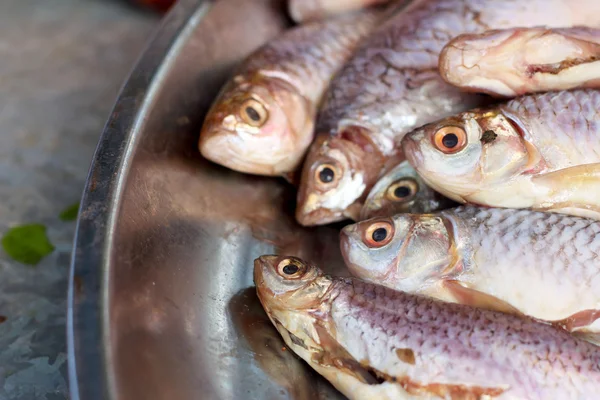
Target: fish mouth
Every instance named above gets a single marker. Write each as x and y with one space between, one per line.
412 152
227 149
323 216
261 266
349 237
320 216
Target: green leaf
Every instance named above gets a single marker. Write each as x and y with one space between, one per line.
27 244
70 213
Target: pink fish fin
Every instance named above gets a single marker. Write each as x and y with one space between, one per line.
579 321
571 190
336 356
475 298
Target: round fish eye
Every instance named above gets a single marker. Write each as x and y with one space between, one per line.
326 174
402 190
378 234
291 269
254 113
450 139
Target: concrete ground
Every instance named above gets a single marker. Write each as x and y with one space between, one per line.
62 63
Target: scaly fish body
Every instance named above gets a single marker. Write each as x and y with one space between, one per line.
402 191
520 61
543 265
375 343
311 10
392 85
263 120
540 152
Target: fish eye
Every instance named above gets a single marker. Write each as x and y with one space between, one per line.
254 113
450 139
291 269
378 234
402 190
326 174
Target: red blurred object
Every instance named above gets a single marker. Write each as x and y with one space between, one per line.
159 5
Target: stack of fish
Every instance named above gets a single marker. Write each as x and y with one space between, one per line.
462 136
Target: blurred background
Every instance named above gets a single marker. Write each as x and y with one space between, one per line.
62 63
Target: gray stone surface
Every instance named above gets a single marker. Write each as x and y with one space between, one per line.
62 63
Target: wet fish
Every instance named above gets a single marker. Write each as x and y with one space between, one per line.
540 151
543 265
402 191
519 61
262 121
392 86
311 10
375 343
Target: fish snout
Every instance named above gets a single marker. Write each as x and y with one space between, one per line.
350 232
412 151
212 145
309 215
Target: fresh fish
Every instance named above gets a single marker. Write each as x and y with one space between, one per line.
540 151
402 191
539 264
519 61
311 10
375 343
392 85
262 121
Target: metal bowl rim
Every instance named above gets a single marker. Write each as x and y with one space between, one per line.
88 366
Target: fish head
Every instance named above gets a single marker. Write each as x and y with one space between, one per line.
259 126
461 155
405 252
401 190
335 179
292 292
284 282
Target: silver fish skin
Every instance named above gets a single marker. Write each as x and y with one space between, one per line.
371 342
539 264
391 85
302 11
518 61
540 152
402 191
262 122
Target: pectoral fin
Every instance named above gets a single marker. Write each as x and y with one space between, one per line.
587 320
465 295
334 355
574 191
584 325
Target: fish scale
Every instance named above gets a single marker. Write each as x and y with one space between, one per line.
372 342
530 354
539 264
262 121
306 60
392 85
413 40
559 123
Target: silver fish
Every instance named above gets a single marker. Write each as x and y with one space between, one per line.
262 121
513 62
392 85
375 343
540 151
543 265
311 10
402 191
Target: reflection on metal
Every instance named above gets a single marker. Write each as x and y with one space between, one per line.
166 240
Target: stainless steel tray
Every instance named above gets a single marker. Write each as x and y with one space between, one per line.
161 304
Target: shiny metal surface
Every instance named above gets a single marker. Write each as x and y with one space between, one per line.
161 298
